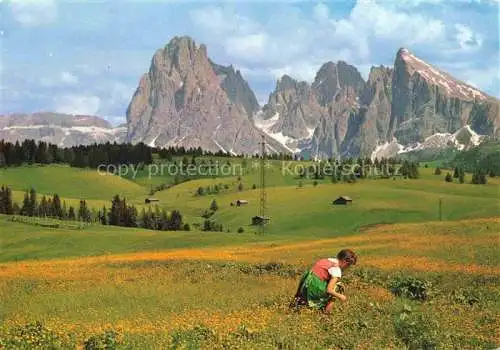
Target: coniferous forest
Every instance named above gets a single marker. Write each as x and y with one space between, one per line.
91 156
119 213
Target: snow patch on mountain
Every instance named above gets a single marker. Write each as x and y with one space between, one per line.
290 143
152 143
435 76
463 138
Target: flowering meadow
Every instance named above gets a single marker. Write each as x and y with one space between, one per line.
418 286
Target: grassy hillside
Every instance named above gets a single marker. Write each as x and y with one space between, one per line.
138 295
374 202
152 289
484 156
68 182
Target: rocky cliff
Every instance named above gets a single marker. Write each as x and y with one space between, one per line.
369 125
313 118
340 114
184 101
236 88
427 101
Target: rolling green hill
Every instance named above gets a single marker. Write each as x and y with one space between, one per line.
158 289
486 156
69 182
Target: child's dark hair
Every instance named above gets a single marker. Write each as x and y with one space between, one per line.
347 255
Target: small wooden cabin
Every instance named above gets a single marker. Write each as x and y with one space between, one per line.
342 200
240 202
260 220
150 200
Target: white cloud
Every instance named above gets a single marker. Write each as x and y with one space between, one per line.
245 45
386 23
293 40
77 104
32 13
304 71
68 78
467 39
222 21
63 78
321 12
487 78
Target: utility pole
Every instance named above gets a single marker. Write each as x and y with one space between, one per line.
440 208
263 195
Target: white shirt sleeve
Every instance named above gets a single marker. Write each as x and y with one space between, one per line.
335 271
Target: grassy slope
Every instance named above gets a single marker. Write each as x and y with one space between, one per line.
69 182
375 201
130 279
139 294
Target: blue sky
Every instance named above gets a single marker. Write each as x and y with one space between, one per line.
87 57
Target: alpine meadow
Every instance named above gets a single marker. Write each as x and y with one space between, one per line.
249 175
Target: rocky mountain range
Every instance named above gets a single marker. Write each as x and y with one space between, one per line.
186 99
397 109
60 129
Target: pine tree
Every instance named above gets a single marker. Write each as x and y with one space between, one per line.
43 210
115 212
437 171
482 179
200 191
461 178
2 200
9 207
175 221
6 206
448 178
71 213
104 216
64 211
3 160
83 212
144 219
207 225
479 178
56 207
414 172
164 222
456 173
33 203
131 217
214 206
26 208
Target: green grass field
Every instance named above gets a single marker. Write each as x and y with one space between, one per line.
190 290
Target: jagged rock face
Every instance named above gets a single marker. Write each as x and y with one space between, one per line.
408 104
315 116
330 135
180 102
332 77
295 105
370 125
236 88
59 129
426 100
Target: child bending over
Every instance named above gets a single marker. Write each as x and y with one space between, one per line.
317 285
